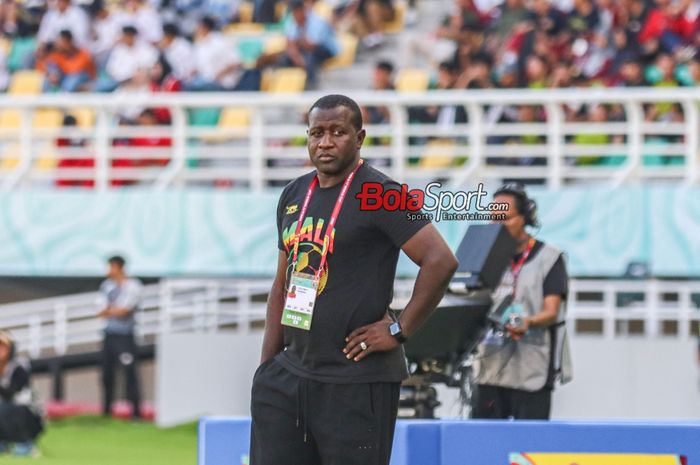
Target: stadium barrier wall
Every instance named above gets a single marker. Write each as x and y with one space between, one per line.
642 378
225 441
214 232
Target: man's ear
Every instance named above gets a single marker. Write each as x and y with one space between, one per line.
360 138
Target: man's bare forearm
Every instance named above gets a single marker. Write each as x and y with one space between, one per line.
273 341
430 287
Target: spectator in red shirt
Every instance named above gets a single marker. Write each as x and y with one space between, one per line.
68 68
66 145
162 80
148 117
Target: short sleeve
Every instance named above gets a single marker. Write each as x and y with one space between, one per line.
557 280
130 296
399 225
280 217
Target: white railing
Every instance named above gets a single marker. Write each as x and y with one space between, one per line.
602 308
259 139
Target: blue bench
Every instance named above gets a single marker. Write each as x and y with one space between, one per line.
225 440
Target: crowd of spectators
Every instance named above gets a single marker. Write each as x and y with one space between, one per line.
143 46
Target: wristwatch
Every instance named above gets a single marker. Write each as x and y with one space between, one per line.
396 333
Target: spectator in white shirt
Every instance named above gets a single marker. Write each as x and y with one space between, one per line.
64 16
127 57
146 20
217 64
106 31
178 51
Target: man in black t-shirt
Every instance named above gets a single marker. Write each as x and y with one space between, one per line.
328 394
516 369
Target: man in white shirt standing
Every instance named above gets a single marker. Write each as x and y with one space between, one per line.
127 57
120 298
64 16
217 64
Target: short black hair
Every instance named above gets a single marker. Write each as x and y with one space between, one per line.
332 101
448 66
208 22
66 34
69 120
294 4
385 65
171 29
129 30
117 260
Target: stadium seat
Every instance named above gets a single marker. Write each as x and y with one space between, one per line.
250 49
324 10
26 82
439 153
244 29
275 44
5 45
396 24
230 118
20 53
245 12
412 80
42 119
284 80
346 57
85 116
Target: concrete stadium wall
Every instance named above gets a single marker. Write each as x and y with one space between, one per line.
622 379
210 374
204 374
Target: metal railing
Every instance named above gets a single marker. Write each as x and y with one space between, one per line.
602 308
256 140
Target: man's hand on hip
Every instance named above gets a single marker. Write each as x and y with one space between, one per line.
370 338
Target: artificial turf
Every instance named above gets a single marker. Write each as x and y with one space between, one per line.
104 441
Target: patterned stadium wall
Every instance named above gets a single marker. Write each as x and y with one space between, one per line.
232 233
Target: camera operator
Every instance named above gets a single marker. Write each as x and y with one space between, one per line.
518 362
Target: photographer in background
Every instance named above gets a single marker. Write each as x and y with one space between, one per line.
517 365
20 421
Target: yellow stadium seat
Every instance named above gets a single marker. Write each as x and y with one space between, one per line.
439 153
10 156
412 80
324 10
47 118
346 57
84 116
280 10
234 118
42 119
396 24
5 45
275 44
285 80
244 29
245 12
47 160
26 82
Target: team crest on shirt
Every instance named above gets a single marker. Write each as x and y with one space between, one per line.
292 209
310 249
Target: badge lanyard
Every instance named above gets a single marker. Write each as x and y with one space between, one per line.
516 267
331 224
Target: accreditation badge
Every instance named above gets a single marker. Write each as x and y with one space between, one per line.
300 301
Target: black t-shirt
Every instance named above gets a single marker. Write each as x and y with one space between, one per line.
19 379
555 283
557 280
357 283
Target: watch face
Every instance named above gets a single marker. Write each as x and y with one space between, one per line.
394 329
